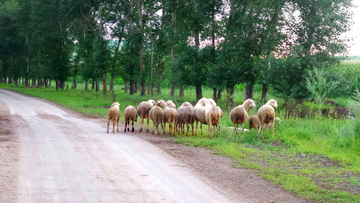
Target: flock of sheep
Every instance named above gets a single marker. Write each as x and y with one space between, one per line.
205 111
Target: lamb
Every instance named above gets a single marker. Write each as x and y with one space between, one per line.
143 111
130 114
170 116
156 114
199 111
213 114
186 116
266 115
254 122
239 114
114 116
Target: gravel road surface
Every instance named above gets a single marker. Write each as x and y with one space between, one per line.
52 155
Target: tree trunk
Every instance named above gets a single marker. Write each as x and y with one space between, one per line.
39 82
198 92
229 99
142 90
152 68
135 87
23 81
249 90
172 89
62 84
16 82
181 92
104 82
57 84
219 94
112 81
92 83
97 88
214 93
126 86
132 87
159 72
264 93
86 84
74 82
46 83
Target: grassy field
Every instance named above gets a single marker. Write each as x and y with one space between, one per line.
317 159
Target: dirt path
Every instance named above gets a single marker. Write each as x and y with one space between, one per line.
55 155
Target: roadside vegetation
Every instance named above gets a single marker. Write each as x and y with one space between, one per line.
315 157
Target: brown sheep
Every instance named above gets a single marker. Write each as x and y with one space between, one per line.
199 111
186 117
266 115
156 114
239 114
130 114
213 114
254 122
143 111
170 116
114 116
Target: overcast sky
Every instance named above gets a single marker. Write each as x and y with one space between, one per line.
355 31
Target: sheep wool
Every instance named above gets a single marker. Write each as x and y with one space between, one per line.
113 116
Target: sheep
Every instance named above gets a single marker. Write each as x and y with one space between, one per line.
186 116
239 114
130 114
254 122
143 111
266 115
213 114
161 103
156 114
114 116
170 116
199 111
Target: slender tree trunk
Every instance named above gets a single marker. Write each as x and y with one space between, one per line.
264 93
126 86
159 72
181 91
112 81
104 82
92 83
219 94
249 90
229 99
16 82
135 87
27 61
62 84
46 83
172 86
97 85
152 68
214 93
39 82
86 84
198 92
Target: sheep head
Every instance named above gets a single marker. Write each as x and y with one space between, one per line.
170 104
272 102
202 101
115 104
186 104
152 102
249 103
212 102
160 103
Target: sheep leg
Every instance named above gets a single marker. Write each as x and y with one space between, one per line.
259 129
128 124
243 129
117 127
153 131
113 126
192 128
209 128
147 130
142 123
163 126
187 129
201 128
263 128
132 129
273 124
196 127
125 126
108 123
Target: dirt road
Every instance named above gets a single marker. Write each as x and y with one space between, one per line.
50 155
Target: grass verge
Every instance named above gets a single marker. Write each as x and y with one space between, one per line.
317 159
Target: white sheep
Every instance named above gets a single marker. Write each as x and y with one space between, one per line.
114 116
213 115
156 114
266 115
170 116
130 114
186 117
143 111
239 114
199 111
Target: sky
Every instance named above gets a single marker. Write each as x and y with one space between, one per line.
355 31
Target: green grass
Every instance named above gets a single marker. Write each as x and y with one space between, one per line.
317 159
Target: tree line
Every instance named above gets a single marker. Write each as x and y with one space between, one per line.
217 43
